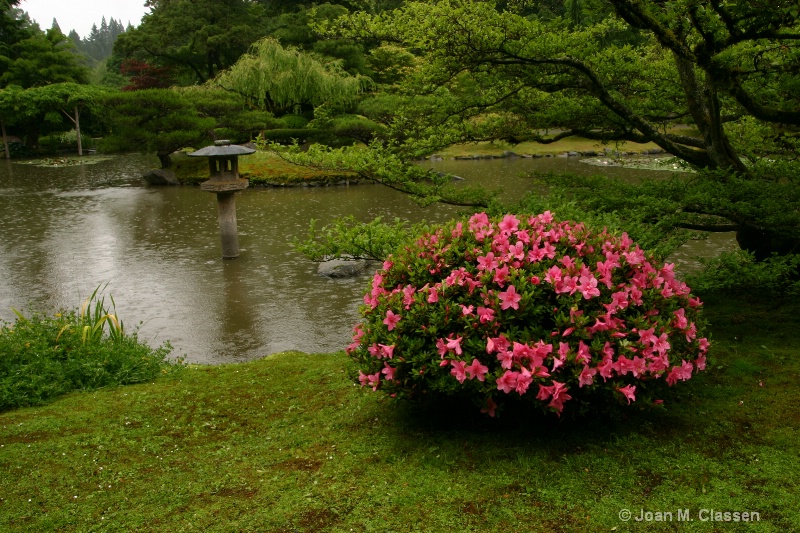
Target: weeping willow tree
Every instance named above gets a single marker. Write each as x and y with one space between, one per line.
279 80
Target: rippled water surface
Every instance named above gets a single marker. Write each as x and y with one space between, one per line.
64 231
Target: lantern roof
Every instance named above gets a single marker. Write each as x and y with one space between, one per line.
222 149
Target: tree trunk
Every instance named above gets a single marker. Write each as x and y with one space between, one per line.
166 160
5 139
703 104
78 130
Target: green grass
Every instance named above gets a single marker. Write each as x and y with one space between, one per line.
261 168
288 443
570 144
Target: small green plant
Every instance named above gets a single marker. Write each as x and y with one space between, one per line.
44 356
96 319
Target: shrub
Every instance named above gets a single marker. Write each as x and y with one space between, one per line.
775 277
294 122
527 310
42 356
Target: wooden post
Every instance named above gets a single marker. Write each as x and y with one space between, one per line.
78 130
5 139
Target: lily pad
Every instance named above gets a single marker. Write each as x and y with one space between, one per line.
670 164
60 162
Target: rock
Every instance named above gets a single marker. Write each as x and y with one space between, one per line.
160 176
342 268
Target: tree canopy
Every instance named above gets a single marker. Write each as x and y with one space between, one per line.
278 79
635 76
195 38
40 59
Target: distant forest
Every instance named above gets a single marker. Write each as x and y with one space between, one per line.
99 44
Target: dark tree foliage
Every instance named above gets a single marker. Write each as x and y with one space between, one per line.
41 59
197 39
142 75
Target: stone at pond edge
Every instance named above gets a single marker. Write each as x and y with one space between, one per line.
160 176
340 268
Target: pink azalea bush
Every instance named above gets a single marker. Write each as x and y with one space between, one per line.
530 309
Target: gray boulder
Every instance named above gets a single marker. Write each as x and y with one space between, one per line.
160 176
341 268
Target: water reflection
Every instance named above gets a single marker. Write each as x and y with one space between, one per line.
63 232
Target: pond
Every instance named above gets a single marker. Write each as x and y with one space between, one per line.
65 231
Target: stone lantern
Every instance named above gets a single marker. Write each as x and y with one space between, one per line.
223 166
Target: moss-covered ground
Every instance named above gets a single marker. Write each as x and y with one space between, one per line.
288 443
262 169
267 169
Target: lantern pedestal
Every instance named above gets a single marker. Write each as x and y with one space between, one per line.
223 165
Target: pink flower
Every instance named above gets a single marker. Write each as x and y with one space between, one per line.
701 362
544 392
559 396
387 351
433 296
487 262
497 344
372 380
606 368
506 359
478 221
485 314
524 380
477 370
587 376
584 355
454 344
661 345
507 382
408 296
466 311
588 287
628 391
391 319
703 344
510 298
442 347
681 373
501 275
458 370
388 371
509 224
490 407
553 275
